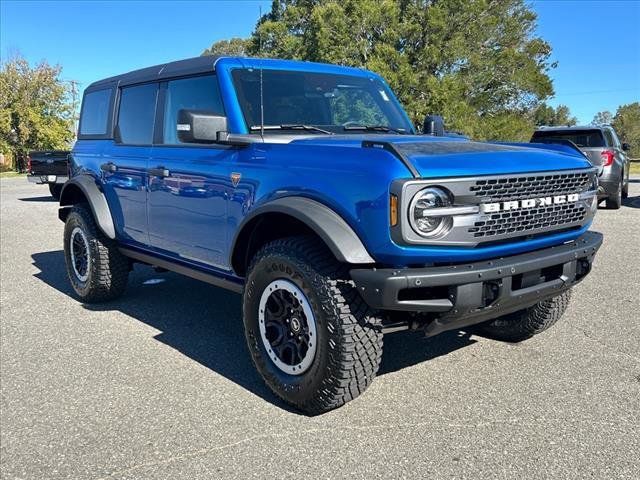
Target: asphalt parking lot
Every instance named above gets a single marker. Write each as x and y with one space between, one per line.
159 384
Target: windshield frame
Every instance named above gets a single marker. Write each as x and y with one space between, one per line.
404 123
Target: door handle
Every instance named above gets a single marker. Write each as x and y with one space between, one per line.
158 172
109 167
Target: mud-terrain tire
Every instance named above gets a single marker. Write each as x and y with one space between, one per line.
104 273
348 335
55 189
524 324
614 201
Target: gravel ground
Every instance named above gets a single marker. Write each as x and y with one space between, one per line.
159 384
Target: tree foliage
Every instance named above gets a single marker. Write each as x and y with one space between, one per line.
549 116
626 123
35 111
236 47
476 62
602 118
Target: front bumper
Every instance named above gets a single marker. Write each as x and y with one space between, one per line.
462 295
42 179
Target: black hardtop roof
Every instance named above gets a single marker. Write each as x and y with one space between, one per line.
189 66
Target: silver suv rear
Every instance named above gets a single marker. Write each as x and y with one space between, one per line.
603 149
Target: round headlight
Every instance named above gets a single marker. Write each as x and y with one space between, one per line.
424 224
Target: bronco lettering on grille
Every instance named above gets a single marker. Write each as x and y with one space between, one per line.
529 203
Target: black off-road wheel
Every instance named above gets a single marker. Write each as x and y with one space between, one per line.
97 270
55 189
312 338
524 324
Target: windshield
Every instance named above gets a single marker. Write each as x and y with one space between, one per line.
307 102
582 138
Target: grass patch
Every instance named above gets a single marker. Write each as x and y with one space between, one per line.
635 168
10 174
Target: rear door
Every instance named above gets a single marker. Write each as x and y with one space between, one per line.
189 184
124 170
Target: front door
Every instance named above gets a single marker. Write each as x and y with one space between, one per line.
125 164
189 184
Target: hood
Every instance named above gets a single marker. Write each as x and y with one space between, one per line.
438 157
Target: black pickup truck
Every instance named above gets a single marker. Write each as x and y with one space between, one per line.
50 167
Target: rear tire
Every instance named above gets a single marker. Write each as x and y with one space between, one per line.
625 188
614 201
55 189
524 324
348 339
97 270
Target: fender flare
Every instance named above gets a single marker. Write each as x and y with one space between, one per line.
343 242
96 199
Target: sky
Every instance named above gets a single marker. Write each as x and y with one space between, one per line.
596 43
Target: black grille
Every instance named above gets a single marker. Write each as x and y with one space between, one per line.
531 186
529 219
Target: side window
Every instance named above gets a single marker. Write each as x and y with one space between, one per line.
616 140
95 112
196 93
609 138
137 114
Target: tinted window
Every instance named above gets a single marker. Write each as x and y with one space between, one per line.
328 101
95 112
197 93
136 115
582 138
609 137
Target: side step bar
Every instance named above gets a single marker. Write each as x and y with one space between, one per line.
182 269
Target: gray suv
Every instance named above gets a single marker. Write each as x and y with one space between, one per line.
603 149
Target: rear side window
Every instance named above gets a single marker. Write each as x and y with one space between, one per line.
609 137
95 112
196 93
582 138
137 113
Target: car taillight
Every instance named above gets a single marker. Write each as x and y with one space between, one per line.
607 157
29 164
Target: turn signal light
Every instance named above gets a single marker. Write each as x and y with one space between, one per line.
607 157
393 210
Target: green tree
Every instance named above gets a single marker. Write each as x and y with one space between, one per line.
547 115
626 123
35 111
476 62
236 47
602 118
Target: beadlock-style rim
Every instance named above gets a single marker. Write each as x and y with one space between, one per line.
287 327
79 248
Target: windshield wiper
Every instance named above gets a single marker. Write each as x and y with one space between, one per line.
375 128
308 128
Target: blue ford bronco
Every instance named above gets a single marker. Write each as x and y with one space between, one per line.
305 188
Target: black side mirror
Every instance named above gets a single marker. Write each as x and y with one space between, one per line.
199 126
433 125
626 147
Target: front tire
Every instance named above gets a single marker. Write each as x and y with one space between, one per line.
524 324
97 270
312 338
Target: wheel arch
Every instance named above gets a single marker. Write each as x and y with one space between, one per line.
294 216
83 189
